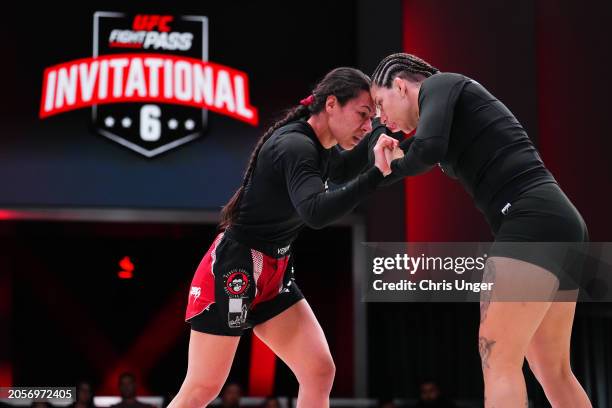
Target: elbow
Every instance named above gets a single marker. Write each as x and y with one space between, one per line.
431 153
311 219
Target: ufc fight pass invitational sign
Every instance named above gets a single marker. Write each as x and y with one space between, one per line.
149 82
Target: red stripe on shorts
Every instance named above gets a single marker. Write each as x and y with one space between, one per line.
202 290
268 273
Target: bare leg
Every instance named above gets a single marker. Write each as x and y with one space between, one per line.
297 338
210 360
506 328
549 358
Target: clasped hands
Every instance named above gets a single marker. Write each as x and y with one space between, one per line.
385 151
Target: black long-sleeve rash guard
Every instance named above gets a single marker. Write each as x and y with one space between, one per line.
287 189
474 138
470 134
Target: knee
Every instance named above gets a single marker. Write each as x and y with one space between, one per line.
198 394
552 374
501 367
325 370
320 374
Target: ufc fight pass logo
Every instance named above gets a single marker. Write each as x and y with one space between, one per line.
149 82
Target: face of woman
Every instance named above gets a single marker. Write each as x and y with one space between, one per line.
350 122
398 106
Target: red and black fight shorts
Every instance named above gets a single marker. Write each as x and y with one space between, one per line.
237 287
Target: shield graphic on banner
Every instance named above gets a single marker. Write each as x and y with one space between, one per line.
149 128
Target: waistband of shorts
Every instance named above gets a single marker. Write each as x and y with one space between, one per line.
267 248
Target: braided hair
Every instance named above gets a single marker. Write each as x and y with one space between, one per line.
406 66
344 83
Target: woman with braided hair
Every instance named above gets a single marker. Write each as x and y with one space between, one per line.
474 138
246 280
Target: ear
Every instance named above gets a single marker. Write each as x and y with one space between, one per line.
330 103
401 86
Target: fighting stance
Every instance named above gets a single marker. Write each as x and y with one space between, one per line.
246 278
474 138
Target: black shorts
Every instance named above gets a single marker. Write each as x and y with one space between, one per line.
237 287
544 216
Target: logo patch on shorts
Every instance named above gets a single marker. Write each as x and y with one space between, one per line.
236 282
506 208
236 318
195 292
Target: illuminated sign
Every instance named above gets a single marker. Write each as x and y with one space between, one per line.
149 82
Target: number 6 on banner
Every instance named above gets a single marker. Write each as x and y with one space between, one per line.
150 126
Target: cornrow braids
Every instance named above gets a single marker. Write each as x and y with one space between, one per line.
344 83
405 66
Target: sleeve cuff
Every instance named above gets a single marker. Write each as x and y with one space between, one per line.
374 176
395 166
